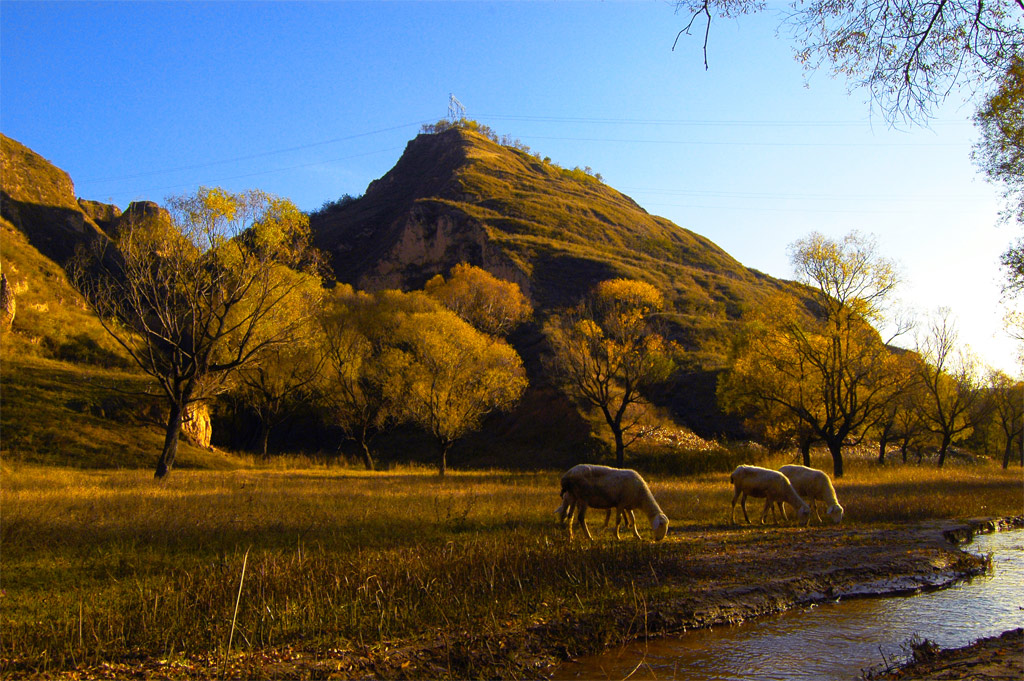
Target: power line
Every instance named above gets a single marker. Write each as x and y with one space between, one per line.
576 120
249 157
743 144
266 172
943 198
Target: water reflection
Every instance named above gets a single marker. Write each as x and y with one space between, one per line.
833 641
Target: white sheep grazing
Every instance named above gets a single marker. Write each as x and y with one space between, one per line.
813 485
568 507
619 488
772 486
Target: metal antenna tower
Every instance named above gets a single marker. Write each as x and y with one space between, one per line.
456 112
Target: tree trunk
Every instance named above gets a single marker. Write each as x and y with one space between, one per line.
903 450
882 443
166 461
367 457
620 449
805 450
835 448
443 465
264 437
942 449
1007 451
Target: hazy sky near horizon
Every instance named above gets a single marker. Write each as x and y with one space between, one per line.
139 101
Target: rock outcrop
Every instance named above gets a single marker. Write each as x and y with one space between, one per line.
8 305
38 198
105 215
196 424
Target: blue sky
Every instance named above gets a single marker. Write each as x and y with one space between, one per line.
313 101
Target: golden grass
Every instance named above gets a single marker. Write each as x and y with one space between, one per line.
103 565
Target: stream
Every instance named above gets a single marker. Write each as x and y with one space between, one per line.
833 640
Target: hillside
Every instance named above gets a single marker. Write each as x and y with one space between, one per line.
38 199
70 394
458 196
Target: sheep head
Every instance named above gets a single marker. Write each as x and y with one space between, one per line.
835 512
660 526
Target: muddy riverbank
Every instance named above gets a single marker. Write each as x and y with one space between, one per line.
995 658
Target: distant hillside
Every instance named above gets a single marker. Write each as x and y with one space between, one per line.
459 196
453 196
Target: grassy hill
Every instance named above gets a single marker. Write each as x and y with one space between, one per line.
459 195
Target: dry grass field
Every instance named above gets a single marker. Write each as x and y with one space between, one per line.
112 567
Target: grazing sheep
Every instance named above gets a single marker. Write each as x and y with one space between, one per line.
623 489
813 485
568 507
772 486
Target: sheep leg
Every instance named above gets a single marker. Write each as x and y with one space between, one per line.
565 510
814 507
732 516
768 504
581 517
635 531
607 519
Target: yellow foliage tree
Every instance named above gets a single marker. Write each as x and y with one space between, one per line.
456 375
606 353
490 304
830 369
364 382
196 297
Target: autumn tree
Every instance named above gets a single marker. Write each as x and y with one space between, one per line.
455 375
999 154
282 378
951 384
1007 398
767 379
908 54
897 414
194 295
490 304
364 382
606 352
826 365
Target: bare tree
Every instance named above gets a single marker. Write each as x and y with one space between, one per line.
908 54
949 376
194 294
